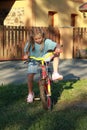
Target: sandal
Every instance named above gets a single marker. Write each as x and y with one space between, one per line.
30 98
56 76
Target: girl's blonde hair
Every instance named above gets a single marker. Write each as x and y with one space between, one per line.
31 42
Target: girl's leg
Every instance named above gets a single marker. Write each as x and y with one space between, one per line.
55 64
30 88
56 75
30 83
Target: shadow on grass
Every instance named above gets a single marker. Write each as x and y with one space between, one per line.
58 88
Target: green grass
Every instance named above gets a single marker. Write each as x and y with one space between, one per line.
69 111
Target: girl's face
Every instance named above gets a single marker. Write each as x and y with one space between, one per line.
38 38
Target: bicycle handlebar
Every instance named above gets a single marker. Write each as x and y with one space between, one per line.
47 57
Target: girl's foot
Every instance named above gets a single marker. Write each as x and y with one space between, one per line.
30 98
57 76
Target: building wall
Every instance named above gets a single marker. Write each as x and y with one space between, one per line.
62 17
35 13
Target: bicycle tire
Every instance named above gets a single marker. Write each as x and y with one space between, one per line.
49 103
43 93
46 100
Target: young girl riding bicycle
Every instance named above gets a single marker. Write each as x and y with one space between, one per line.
37 46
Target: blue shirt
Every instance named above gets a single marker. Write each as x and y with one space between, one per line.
48 45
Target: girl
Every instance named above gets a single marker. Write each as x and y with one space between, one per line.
38 46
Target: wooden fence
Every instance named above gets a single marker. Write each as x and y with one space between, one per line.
13 39
80 42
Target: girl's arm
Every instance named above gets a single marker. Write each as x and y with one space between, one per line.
26 48
26 51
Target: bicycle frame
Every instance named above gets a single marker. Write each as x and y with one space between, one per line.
45 91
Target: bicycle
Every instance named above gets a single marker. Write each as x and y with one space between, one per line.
45 79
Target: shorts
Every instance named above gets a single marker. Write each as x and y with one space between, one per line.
33 67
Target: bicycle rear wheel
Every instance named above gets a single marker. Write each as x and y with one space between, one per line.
46 100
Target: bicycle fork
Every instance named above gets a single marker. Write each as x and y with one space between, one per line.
48 87
45 76
46 92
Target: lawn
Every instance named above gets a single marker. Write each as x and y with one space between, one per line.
69 111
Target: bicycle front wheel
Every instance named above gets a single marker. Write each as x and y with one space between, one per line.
49 103
46 100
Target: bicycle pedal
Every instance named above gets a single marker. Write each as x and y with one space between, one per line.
37 98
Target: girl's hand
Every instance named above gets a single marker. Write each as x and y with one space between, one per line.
25 57
58 51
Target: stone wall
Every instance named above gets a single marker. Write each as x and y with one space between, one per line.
15 17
